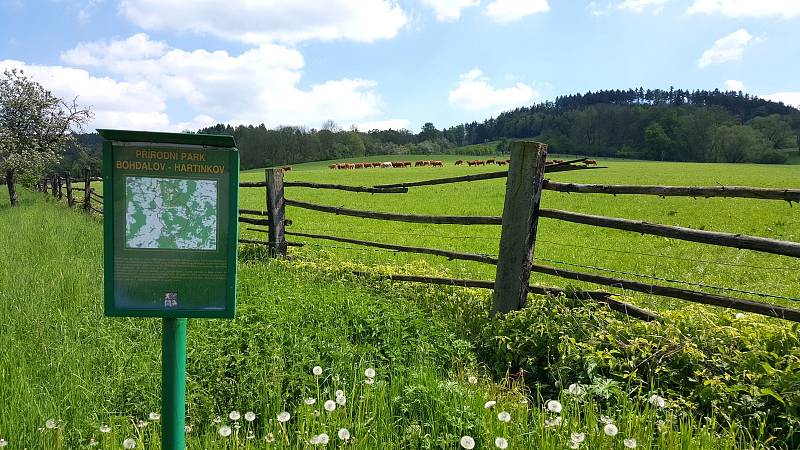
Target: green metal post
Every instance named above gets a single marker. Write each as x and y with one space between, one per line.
173 384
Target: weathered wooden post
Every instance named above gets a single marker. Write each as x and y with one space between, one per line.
59 190
54 188
44 184
276 207
70 198
87 193
520 220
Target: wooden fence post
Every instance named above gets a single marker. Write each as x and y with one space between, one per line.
70 198
520 221
87 193
54 188
276 206
59 190
44 184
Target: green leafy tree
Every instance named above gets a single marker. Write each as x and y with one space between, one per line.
737 143
775 128
657 143
35 127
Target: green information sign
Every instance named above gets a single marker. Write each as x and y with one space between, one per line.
170 211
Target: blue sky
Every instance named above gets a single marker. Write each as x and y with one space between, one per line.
173 65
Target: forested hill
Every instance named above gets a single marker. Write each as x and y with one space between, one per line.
674 125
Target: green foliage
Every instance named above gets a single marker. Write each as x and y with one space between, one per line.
776 128
737 143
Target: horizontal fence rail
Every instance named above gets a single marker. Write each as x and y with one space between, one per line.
257 242
340 187
789 195
398 217
761 244
600 296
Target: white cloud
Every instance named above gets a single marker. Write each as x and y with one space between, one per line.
474 93
116 104
728 48
640 5
262 21
789 98
260 85
734 85
747 8
388 124
449 10
504 11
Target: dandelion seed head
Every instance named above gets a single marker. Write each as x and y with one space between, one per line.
154 416
320 439
554 406
490 404
369 373
284 416
105 428
472 380
330 405
577 437
576 389
467 442
610 430
234 415
51 424
501 443
249 416
657 401
129 443
369 381
92 443
339 393
629 443
310 401
504 417
225 431
317 370
554 422
344 434
341 400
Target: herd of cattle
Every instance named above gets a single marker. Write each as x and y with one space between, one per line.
437 163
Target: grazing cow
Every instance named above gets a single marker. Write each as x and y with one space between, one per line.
287 168
386 164
359 165
351 166
472 163
501 162
376 164
437 164
480 163
459 162
558 161
589 162
418 163
331 166
397 164
406 163
489 161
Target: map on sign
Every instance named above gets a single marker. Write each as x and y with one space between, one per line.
170 213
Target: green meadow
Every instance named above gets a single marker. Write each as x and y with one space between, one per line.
569 374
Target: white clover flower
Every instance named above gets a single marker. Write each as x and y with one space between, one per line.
310 401
3 442
225 431
129 443
576 389
341 400
490 404
504 417
501 443
154 416
339 393
739 316
369 381
187 429
105 428
284 416
657 401
51 424
467 442
369 373
249 416
343 434
629 443
92 443
554 406
317 370
472 380
330 405
554 422
577 437
610 430
269 437
234 415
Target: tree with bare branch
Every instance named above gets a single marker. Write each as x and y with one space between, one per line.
35 127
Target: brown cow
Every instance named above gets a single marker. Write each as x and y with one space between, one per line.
418 163
459 162
437 164
589 162
472 163
480 163
287 168
501 162
489 161
376 164
331 166
406 163
558 161
397 164
358 166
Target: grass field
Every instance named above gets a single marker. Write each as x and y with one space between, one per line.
727 381
561 241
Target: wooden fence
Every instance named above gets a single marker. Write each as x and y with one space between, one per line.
519 222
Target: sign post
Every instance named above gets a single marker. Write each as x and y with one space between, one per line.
170 235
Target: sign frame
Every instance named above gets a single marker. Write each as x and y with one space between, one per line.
222 143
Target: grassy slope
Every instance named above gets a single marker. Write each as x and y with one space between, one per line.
61 359
563 241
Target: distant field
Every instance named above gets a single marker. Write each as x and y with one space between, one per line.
560 241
